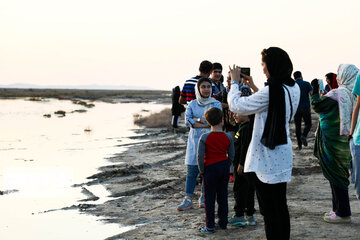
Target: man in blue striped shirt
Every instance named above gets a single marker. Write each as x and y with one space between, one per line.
188 91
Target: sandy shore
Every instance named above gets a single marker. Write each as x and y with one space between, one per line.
148 180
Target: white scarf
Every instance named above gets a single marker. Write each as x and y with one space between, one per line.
202 101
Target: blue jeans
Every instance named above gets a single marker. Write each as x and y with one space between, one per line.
355 171
191 176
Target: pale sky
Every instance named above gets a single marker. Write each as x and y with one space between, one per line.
160 43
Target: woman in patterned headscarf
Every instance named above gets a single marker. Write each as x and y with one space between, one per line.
331 144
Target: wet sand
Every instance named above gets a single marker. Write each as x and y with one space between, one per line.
148 181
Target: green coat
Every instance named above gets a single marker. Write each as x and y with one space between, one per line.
330 147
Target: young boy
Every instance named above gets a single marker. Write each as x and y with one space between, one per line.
244 191
215 154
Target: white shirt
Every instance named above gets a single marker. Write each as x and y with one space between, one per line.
270 166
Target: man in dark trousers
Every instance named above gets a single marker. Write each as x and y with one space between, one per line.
303 111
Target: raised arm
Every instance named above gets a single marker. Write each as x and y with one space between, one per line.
255 103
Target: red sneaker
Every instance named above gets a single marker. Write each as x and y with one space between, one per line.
231 179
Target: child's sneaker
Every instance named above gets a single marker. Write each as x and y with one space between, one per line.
237 221
207 230
186 204
217 227
336 219
251 221
329 213
231 179
201 202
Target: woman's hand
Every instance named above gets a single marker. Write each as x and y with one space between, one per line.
240 169
199 120
200 125
248 81
235 73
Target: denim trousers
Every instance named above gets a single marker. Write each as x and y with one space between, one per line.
355 170
191 177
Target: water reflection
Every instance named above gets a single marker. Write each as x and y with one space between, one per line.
42 158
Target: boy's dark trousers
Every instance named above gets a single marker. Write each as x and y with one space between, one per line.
244 193
216 180
273 206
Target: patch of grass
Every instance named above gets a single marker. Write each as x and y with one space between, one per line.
154 120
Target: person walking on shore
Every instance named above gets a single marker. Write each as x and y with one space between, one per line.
331 142
269 157
303 111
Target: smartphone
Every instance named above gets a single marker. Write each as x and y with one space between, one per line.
245 70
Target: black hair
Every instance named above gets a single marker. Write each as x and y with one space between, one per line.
201 80
330 76
205 67
213 116
217 65
297 75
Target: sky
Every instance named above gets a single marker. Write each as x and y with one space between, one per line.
160 43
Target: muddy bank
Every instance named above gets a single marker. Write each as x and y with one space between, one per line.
147 183
111 96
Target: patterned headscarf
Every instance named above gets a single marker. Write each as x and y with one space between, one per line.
343 95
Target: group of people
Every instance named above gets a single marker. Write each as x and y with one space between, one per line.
248 127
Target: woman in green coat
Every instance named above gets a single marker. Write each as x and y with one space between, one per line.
331 144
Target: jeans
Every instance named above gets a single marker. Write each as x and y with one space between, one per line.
191 177
306 115
355 173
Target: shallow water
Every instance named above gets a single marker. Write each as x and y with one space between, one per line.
41 158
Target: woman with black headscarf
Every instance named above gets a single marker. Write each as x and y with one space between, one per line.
269 157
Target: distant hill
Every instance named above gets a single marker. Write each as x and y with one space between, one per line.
90 86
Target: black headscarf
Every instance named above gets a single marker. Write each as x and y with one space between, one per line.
280 68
